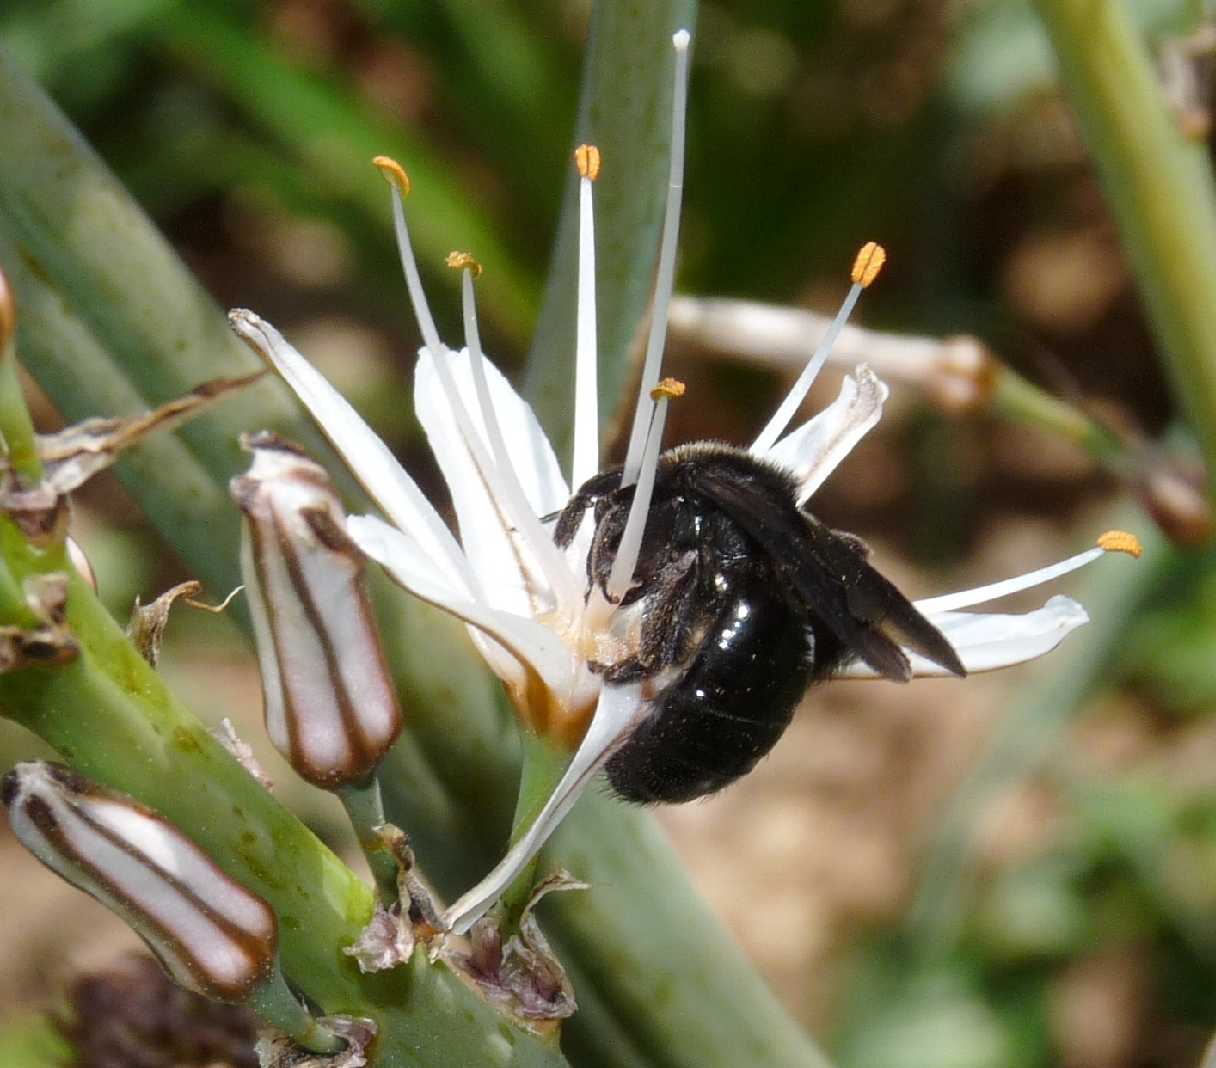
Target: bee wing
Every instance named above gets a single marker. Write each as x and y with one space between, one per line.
831 575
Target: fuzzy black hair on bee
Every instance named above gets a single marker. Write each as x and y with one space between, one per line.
744 601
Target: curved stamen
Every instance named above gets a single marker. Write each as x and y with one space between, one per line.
866 266
630 548
644 413
1113 541
586 459
550 559
399 184
498 477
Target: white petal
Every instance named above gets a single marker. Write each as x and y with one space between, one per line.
527 640
501 560
368 458
619 709
813 451
985 642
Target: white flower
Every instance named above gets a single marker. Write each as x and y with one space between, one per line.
528 603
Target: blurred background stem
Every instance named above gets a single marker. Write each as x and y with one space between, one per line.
1160 188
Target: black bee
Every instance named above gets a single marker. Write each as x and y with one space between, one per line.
745 600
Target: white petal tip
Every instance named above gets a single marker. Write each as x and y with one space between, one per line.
680 39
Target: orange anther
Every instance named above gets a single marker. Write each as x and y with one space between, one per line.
1120 541
587 160
393 173
459 261
868 263
667 389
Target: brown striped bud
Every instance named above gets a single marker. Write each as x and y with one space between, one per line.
211 934
330 706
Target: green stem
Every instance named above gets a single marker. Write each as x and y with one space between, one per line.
365 808
15 424
274 1002
1013 397
1160 188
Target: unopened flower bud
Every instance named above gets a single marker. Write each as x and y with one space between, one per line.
330 706
211 934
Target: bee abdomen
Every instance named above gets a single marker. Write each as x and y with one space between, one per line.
728 708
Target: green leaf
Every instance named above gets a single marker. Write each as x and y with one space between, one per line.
625 110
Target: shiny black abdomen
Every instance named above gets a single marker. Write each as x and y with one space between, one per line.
730 705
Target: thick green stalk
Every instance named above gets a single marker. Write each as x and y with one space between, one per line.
625 110
20 444
111 321
365 810
1160 188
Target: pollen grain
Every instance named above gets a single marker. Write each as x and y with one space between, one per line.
1120 541
868 263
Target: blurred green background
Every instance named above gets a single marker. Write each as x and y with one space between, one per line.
1084 930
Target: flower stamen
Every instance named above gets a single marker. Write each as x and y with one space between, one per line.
643 415
552 563
399 183
866 266
1113 541
586 459
621 576
499 478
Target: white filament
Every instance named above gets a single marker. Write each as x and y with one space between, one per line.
949 602
630 549
619 708
412 280
667 267
785 411
561 580
586 459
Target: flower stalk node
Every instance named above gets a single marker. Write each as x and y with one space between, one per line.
513 965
